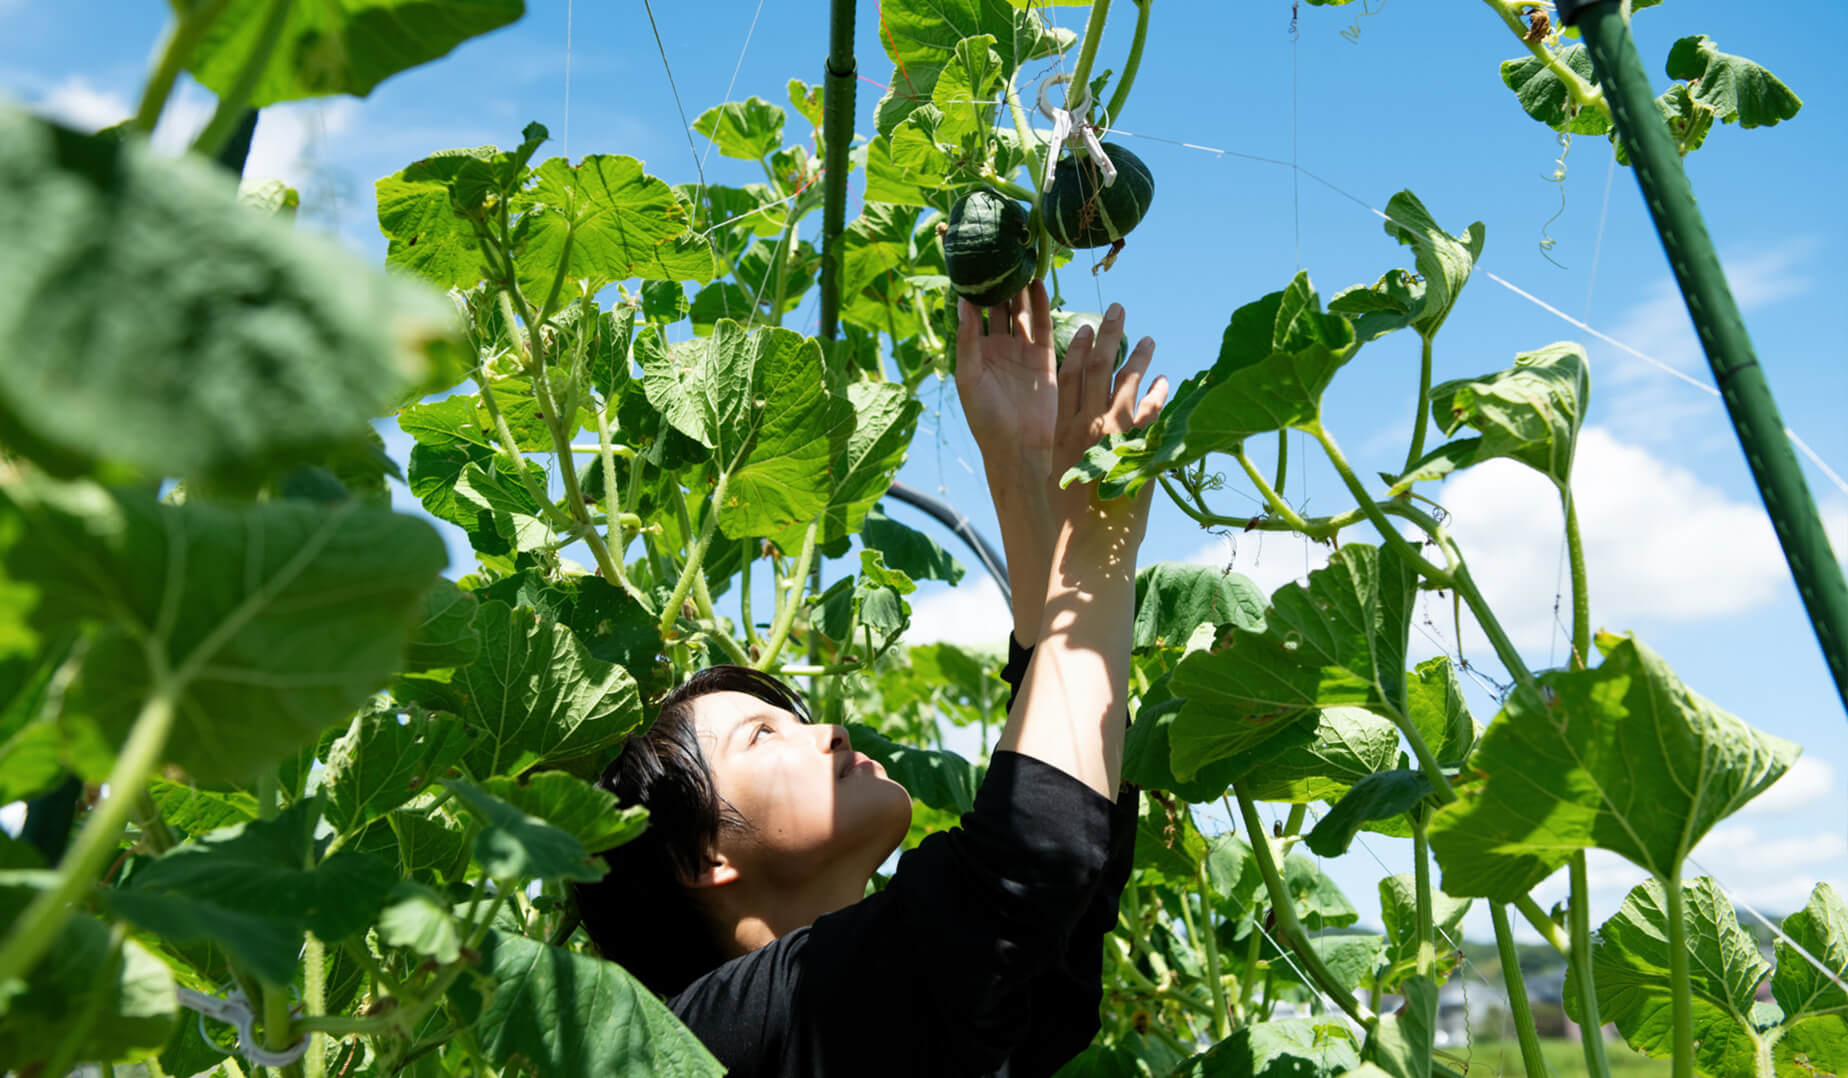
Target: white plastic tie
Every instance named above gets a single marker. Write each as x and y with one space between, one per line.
1067 129
235 1012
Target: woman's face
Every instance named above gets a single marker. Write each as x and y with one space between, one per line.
814 803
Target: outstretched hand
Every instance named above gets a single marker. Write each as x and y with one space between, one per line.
1092 403
1007 380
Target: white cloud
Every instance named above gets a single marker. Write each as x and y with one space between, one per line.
1661 545
1269 559
76 103
971 615
13 818
1810 781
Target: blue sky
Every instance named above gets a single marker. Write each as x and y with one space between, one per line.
1679 548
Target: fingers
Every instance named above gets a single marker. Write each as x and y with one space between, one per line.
1071 372
1151 403
1040 312
1129 379
998 316
968 334
1097 363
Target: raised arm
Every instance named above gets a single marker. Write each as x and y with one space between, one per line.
1073 705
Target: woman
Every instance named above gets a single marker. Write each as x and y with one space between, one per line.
743 902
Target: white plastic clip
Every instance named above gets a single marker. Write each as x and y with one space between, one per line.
235 1012
1067 128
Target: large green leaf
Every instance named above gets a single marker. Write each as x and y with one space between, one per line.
445 635
432 209
749 129
1434 703
1340 640
967 89
534 697
115 1005
420 919
613 220
1630 966
228 341
1623 757
908 550
1316 759
194 811
884 418
247 889
921 38
611 625
937 777
1174 598
514 845
1815 1006
585 812
1379 796
759 399
1285 1048
1735 88
338 47
386 758
1444 261
1530 412
1401 1043
265 623
568 1013
1275 359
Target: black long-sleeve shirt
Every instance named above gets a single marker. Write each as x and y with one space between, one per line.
981 957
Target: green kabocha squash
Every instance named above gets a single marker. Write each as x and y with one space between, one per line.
1081 212
988 249
1065 326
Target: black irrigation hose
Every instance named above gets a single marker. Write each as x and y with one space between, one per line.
959 524
1736 370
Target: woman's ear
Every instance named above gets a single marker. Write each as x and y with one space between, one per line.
717 871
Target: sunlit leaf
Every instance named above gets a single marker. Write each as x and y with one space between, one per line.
514 845
1444 261
1282 1048
748 129
1736 89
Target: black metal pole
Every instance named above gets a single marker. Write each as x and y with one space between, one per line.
837 104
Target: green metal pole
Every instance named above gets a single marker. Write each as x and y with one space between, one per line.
837 94
1716 318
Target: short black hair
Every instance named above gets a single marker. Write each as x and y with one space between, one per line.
641 915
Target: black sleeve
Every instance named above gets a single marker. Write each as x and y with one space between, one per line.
1067 996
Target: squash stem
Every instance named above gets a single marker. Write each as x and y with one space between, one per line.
1120 96
231 106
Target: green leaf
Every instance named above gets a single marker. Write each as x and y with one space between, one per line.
1376 797
759 399
585 812
515 845
921 38
1530 412
445 636
343 47
567 1013
876 243
1174 598
1623 757
1275 359
230 342
1147 758
1401 1043
426 838
1735 88
269 621
1383 307
967 89
1444 261
612 626
118 1005
1399 913
1630 966
419 919
1317 759
1338 641
534 697
1169 849
806 100
906 167
749 129
885 416
1545 97
1815 1006
1434 703
195 811
614 221
246 889
937 777
1286 1048
426 233
908 550
386 758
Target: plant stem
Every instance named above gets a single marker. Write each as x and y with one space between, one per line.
670 611
1006 187
1581 588
610 493
1678 982
1299 811
1421 876
37 925
1284 907
184 36
1087 55
561 430
314 996
790 601
1390 534
231 106
1591 1037
1420 422
1531 1057
1283 461
1543 924
1585 95
779 270
1222 1016
1278 507
1120 96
